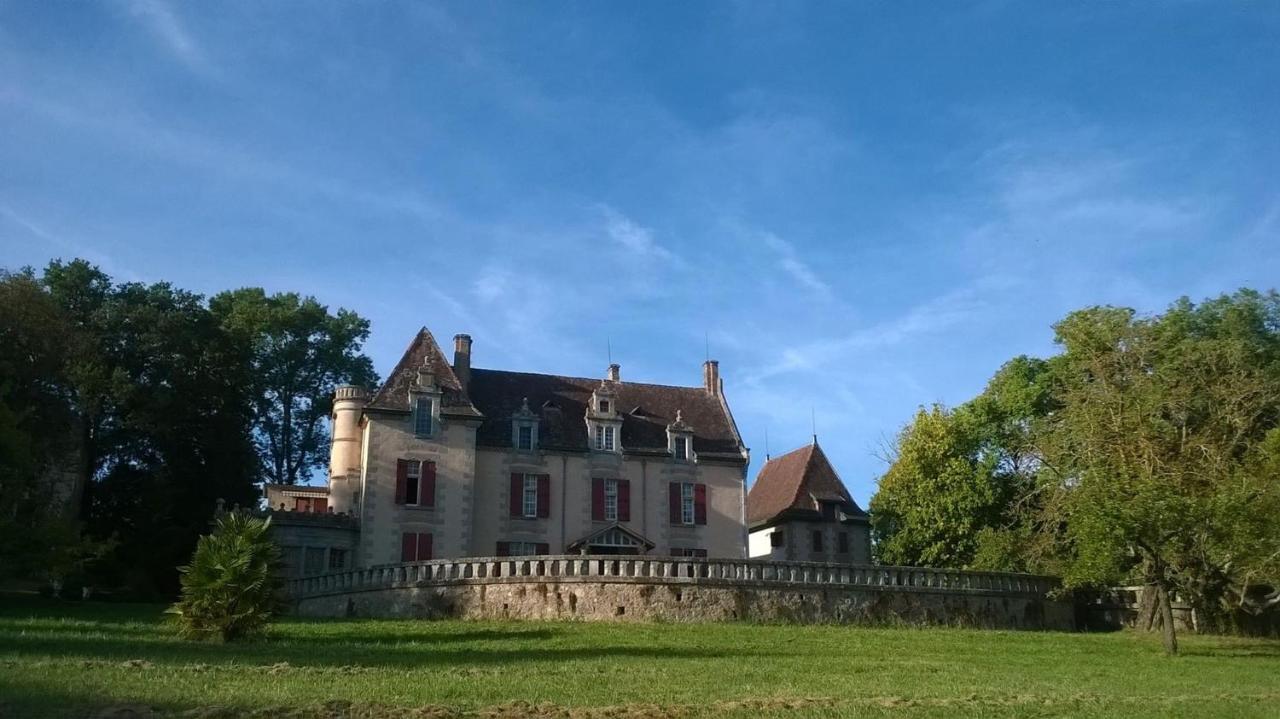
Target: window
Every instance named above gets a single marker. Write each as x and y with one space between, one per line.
829 511
422 417
681 448
313 563
337 558
611 500
604 406
842 542
413 483
817 541
530 503
777 539
524 437
687 515
521 549
688 552
415 547
604 438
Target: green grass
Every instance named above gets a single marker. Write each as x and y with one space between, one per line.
75 660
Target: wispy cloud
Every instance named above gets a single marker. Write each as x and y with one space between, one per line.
791 263
634 238
167 28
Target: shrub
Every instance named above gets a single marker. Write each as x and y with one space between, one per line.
230 590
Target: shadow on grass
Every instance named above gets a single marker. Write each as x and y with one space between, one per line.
433 651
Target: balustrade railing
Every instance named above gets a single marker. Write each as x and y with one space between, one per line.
670 569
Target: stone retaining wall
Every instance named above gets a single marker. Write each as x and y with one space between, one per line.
683 590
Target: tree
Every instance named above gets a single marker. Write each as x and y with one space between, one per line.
230 590
937 494
299 353
1158 455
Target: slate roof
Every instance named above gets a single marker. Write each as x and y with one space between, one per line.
794 484
394 393
561 404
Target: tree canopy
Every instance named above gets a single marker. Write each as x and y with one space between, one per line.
128 409
1146 451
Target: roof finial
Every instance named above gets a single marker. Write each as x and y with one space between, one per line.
706 340
813 418
608 348
766 443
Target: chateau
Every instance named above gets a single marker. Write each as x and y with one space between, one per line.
446 460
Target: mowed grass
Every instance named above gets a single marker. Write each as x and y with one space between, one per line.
102 660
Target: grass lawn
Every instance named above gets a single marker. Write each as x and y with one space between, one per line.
104 660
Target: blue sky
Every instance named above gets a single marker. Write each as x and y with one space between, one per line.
865 207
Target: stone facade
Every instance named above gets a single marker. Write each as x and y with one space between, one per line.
466 436
612 589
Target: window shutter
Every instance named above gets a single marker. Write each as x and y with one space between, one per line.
544 495
517 494
624 500
597 499
402 478
319 504
699 504
544 548
427 485
408 547
674 497
424 547
301 504
504 549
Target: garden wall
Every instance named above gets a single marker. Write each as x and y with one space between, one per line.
683 590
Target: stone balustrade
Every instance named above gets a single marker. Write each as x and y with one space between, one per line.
667 570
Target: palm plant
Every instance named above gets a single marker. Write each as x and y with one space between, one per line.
230 590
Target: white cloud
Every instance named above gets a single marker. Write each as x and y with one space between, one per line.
168 28
791 263
633 237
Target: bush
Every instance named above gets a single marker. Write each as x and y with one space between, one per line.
230 590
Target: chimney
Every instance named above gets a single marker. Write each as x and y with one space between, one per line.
711 377
462 360
615 372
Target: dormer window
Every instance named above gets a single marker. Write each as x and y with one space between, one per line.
422 423
680 448
524 428
680 439
604 438
604 406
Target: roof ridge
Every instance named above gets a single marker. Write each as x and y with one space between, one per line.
585 379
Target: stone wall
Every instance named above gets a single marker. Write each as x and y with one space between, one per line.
680 590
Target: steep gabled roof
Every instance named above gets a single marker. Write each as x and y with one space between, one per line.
561 405
795 483
394 393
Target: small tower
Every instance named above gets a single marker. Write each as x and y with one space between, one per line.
345 445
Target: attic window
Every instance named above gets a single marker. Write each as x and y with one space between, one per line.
422 417
680 448
604 438
524 437
604 405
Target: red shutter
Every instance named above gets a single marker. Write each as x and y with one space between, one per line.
699 504
504 549
597 500
408 547
544 495
517 494
427 485
675 503
544 548
319 504
402 478
624 500
301 504
424 547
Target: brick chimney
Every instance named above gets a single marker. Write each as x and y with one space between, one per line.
462 360
615 373
711 377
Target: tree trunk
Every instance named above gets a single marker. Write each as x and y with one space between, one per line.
1166 621
1148 609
